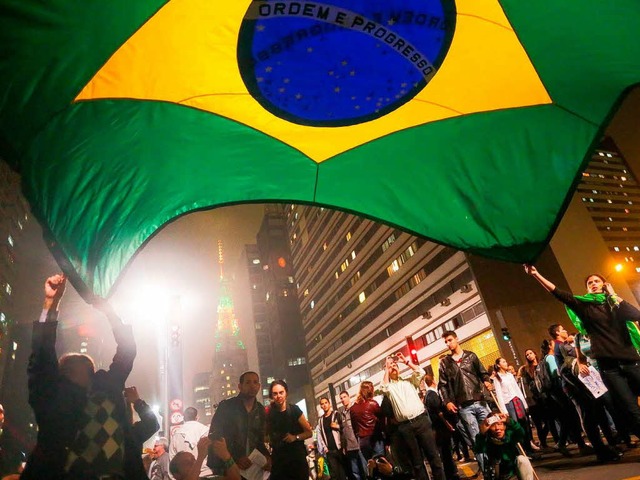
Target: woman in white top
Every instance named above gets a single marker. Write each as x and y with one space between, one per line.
510 397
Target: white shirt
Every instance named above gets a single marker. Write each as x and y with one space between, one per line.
507 390
185 439
404 399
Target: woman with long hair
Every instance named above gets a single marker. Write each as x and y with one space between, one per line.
612 326
365 418
527 379
287 429
510 397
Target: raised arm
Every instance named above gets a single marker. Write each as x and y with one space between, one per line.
533 271
43 362
122 362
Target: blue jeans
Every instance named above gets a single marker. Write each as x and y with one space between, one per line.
357 465
472 416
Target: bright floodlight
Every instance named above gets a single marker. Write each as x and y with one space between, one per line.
619 267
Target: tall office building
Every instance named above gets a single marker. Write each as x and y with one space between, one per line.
201 399
363 288
249 286
611 194
269 277
13 219
230 354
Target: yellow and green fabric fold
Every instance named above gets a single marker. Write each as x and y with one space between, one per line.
467 122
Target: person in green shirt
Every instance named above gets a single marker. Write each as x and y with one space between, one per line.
498 440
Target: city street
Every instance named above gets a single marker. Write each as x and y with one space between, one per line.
554 466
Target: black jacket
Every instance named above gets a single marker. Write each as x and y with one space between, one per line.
57 403
462 383
141 431
242 430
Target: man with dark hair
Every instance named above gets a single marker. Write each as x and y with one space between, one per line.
328 433
240 420
81 415
185 438
461 381
356 464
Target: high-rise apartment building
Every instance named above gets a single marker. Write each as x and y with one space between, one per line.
13 219
230 354
611 193
364 287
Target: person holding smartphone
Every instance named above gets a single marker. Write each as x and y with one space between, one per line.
413 423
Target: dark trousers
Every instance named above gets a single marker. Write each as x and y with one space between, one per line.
443 441
357 465
335 459
419 439
623 381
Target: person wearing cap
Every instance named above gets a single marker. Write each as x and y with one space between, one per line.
498 439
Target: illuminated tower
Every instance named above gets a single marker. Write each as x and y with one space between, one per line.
230 354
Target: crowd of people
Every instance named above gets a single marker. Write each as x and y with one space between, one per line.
583 389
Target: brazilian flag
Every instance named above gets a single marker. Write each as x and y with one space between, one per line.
467 122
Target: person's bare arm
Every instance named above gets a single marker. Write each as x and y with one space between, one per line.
533 271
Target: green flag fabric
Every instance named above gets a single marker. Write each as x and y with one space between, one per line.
467 122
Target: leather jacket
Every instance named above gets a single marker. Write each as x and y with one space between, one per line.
365 418
462 382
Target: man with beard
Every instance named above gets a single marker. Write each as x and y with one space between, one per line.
241 422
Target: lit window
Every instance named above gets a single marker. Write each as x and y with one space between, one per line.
256 261
324 247
291 279
609 155
10 240
306 292
254 286
265 392
267 296
636 249
285 293
638 269
601 154
15 346
616 249
624 179
609 200
348 237
362 297
312 304
3 317
353 255
8 289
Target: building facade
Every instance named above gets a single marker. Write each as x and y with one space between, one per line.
230 354
363 288
611 194
269 277
201 396
13 220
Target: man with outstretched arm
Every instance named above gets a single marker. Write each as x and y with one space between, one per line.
81 416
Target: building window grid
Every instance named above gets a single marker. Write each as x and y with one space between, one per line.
433 335
367 291
434 299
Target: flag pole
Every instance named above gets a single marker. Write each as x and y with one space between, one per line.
522 452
